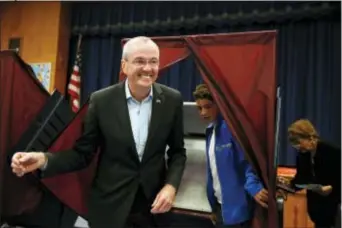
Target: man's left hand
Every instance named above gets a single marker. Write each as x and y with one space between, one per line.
164 200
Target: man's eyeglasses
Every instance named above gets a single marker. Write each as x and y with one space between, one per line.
140 62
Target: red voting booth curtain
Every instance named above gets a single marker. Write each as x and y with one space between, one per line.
240 71
21 99
72 188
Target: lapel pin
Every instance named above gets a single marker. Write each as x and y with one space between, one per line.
158 101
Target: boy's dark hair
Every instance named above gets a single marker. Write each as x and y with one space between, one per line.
202 92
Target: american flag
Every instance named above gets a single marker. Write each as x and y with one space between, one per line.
74 87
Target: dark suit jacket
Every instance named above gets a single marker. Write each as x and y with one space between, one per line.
325 171
119 172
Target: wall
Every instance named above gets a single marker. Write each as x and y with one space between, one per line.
45 31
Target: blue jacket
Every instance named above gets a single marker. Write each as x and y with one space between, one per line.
238 181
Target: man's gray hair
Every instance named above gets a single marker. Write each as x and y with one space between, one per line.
135 42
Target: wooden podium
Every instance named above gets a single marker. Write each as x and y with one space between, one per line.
295 209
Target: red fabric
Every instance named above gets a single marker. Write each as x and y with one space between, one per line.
21 99
242 66
72 188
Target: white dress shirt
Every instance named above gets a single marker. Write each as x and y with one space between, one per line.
213 167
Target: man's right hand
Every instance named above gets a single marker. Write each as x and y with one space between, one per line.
23 162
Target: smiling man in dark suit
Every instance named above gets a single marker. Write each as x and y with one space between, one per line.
132 123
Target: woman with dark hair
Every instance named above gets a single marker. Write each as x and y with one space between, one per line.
319 164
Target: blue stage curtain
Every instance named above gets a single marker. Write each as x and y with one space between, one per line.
309 73
126 17
308 67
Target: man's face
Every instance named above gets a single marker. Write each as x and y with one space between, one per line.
207 110
142 65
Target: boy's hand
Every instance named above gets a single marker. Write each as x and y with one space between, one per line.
213 218
262 198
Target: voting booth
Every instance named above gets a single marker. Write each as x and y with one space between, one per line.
239 69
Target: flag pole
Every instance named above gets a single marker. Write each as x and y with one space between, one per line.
79 42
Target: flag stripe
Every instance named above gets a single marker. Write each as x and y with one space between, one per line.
75 78
74 86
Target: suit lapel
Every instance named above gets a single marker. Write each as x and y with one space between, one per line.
158 104
123 118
